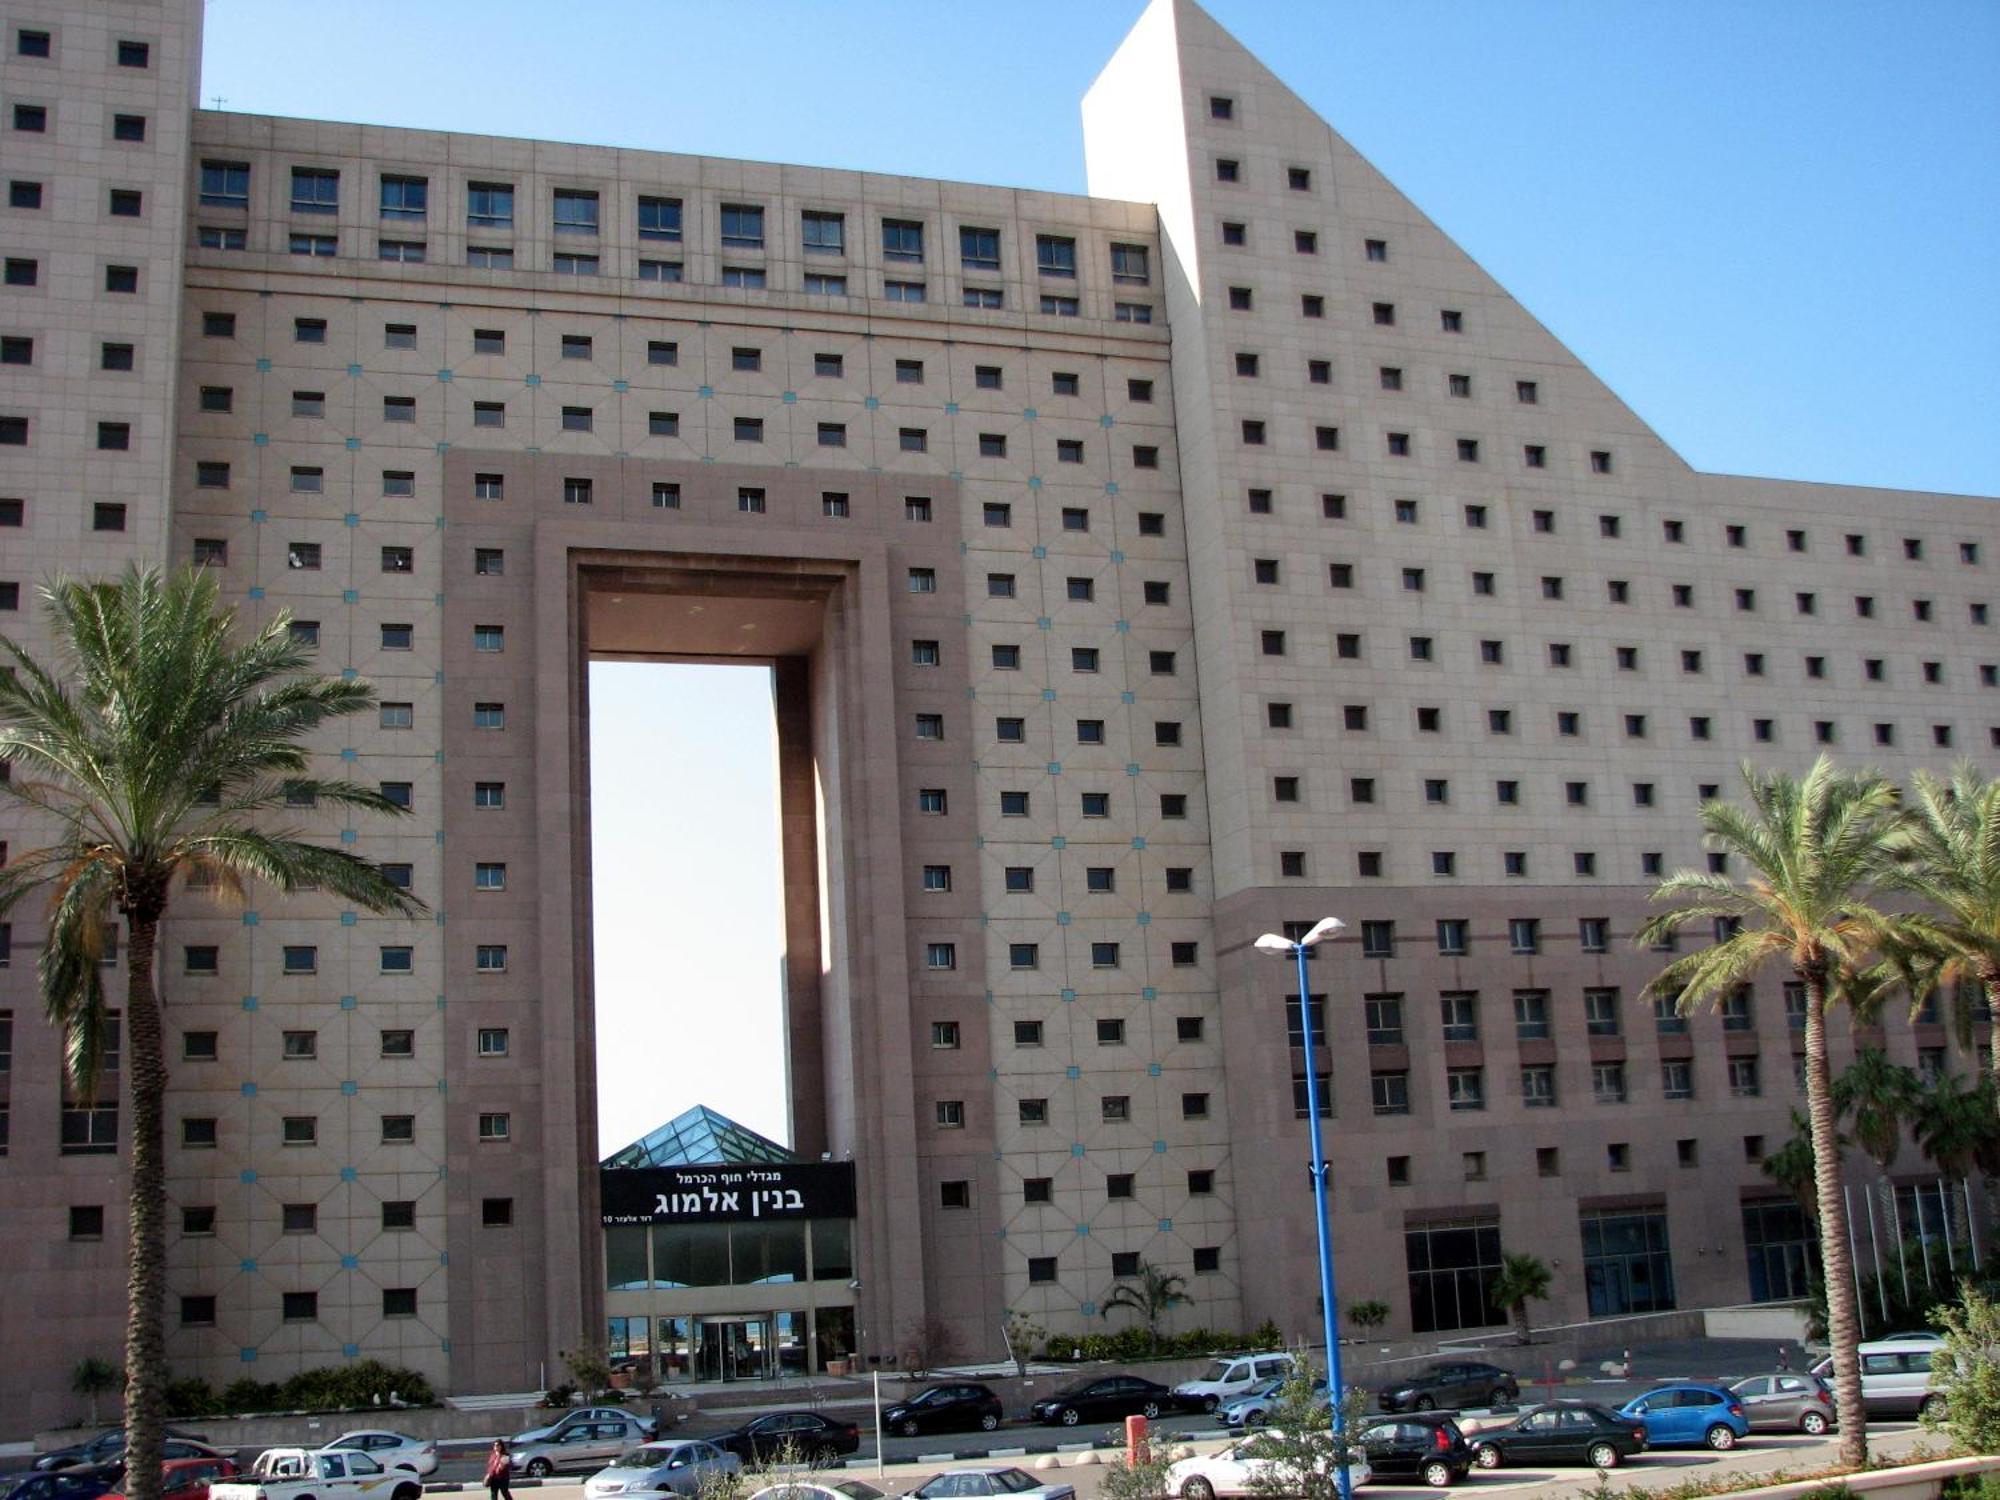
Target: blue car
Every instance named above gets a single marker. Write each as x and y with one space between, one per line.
1684 1415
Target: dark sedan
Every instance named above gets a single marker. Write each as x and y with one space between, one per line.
109 1448
1426 1447
1568 1434
945 1408
1463 1383
57 1484
807 1435
1109 1399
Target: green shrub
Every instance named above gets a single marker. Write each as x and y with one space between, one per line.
245 1394
1967 1371
1266 1336
190 1398
559 1395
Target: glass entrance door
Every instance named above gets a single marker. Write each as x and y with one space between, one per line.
734 1349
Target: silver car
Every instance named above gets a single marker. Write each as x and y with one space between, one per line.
1255 1409
996 1483
580 1415
580 1445
1788 1401
676 1468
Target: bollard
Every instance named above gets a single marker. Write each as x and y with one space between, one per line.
1135 1441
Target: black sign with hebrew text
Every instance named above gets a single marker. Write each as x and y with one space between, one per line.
726 1194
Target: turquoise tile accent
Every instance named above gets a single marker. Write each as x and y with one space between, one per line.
1083 1231
1123 627
1028 414
1132 768
348 674
1043 622
257 592
350 519
348 918
1000 1234
247 1355
259 517
707 392
989 997
444 375
348 1002
350 1262
1077 1149
1034 481
992 1074
1069 997
437 918
249 1002
532 380
621 386
1139 843
1048 695
349 1174
1111 487
1128 696
354 445
1144 919
444 1257
1166 1225
1149 993
1152 1070
443 448
1055 768
353 370
1058 842
350 754
1159 1148
250 919
260 439
349 1087
247 1264
1072 1071
247 1176
263 367
350 596
985 920
790 398
350 1351
1106 422
951 408
1117 556
1088 1309
1062 919
249 1091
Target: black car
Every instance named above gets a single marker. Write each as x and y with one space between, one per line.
1465 1383
1106 1400
57 1484
1570 1433
945 1408
807 1434
109 1448
1428 1448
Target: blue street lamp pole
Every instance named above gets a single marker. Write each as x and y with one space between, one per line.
1275 945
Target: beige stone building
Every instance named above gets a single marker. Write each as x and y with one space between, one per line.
1140 572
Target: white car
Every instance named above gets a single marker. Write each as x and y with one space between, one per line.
580 1415
392 1450
1233 1376
998 1481
1231 1470
666 1468
822 1488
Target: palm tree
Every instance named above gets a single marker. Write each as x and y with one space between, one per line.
1522 1278
1948 854
92 1377
156 747
1157 1294
1877 1096
1957 1127
1791 1165
1814 847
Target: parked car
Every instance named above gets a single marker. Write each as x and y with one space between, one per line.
54 1484
392 1450
819 1489
1895 1374
1106 1399
189 1478
325 1476
805 1433
945 1408
1232 1376
1567 1433
109 1447
1787 1401
1255 1409
1429 1448
669 1468
584 1445
581 1415
1232 1470
981 1483
1679 1415
1462 1383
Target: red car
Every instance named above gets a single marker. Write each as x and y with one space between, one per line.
189 1478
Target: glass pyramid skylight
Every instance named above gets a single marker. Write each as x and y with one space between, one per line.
699 1137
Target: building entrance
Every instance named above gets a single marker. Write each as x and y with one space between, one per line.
733 1349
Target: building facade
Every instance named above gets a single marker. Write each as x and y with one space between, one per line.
1139 572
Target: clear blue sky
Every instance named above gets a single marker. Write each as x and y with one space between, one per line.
1772 227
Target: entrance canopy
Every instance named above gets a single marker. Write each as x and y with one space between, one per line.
697 1138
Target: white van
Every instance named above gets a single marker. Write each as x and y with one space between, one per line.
1896 1377
1234 1375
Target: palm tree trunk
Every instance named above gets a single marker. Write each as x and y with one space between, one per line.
1836 1264
1521 1330
145 1347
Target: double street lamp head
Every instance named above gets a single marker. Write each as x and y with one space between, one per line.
1281 947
